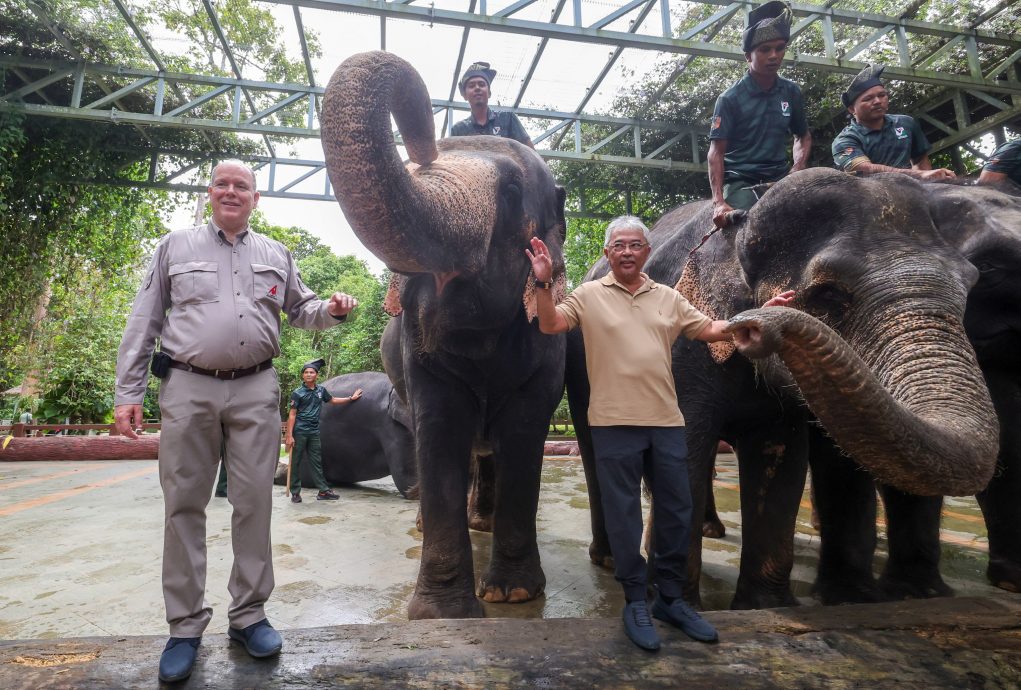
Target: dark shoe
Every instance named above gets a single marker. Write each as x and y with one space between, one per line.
679 614
327 495
178 657
259 639
221 494
639 627
295 498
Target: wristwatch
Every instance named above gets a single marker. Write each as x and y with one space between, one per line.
543 284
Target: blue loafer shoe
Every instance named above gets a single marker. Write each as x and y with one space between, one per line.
639 627
259 639
178 657
680 615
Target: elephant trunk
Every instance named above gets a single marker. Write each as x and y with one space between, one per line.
425 217
923 423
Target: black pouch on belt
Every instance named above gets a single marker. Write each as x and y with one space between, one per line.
160 364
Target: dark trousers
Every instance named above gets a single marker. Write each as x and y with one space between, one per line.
307 446
623 455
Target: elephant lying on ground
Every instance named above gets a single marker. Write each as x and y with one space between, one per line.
368 440
877 351
464 353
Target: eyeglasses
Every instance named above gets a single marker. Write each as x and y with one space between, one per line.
618 247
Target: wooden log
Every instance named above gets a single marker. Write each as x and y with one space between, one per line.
80 448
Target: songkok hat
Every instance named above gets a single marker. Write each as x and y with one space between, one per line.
767 23
861 83
316 364
477 69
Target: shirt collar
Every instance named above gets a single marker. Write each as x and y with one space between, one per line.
752 87
218 232
609 280
887 122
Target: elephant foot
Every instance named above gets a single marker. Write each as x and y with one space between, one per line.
748 598
508 584
713 529
848 591
600 555
1004 574
480 522
907 587
444 605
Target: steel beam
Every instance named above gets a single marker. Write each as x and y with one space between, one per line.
623 39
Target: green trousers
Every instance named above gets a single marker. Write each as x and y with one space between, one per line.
307 445
738 194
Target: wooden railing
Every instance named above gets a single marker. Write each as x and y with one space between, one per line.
20 430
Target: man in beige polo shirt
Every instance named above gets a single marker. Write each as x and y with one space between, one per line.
630 324
213 296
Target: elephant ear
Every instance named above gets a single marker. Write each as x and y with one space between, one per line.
392 301
690 285
528 299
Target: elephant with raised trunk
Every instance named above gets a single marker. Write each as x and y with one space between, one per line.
465 355
876 348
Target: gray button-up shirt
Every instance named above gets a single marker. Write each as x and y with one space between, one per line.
214 305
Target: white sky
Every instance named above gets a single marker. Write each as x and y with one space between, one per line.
560 82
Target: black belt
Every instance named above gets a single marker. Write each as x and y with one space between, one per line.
223 374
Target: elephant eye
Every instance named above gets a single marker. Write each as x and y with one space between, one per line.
827 301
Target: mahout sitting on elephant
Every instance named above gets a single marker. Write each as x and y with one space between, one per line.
464 354
985 225
876 349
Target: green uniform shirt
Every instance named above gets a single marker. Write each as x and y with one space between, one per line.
499 124
898 142
308 402
1006 159
757 125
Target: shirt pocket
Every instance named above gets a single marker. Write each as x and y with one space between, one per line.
269 283
194 282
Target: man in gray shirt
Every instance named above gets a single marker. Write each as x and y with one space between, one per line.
213 296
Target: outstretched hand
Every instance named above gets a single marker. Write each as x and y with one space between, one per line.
341 304
781 300
542 262
357 394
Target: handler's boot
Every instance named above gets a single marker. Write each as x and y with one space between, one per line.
680 615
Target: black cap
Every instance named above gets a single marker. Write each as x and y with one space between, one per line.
316 364
767 23
861 83
477 69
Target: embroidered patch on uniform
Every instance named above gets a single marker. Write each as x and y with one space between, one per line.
849 150
785 108
273 291
899 131
717 121
496 129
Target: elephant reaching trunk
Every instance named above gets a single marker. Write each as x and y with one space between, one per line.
943 447
463 353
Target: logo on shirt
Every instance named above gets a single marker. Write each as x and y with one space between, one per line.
785 108
717 121
849 150
899 131
496 129
272 292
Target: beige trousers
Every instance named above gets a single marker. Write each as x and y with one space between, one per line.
198 412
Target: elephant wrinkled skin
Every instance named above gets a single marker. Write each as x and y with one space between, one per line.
875 347
473 367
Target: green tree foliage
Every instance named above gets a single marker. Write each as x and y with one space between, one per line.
58 233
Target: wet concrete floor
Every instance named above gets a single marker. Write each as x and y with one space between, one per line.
81 550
